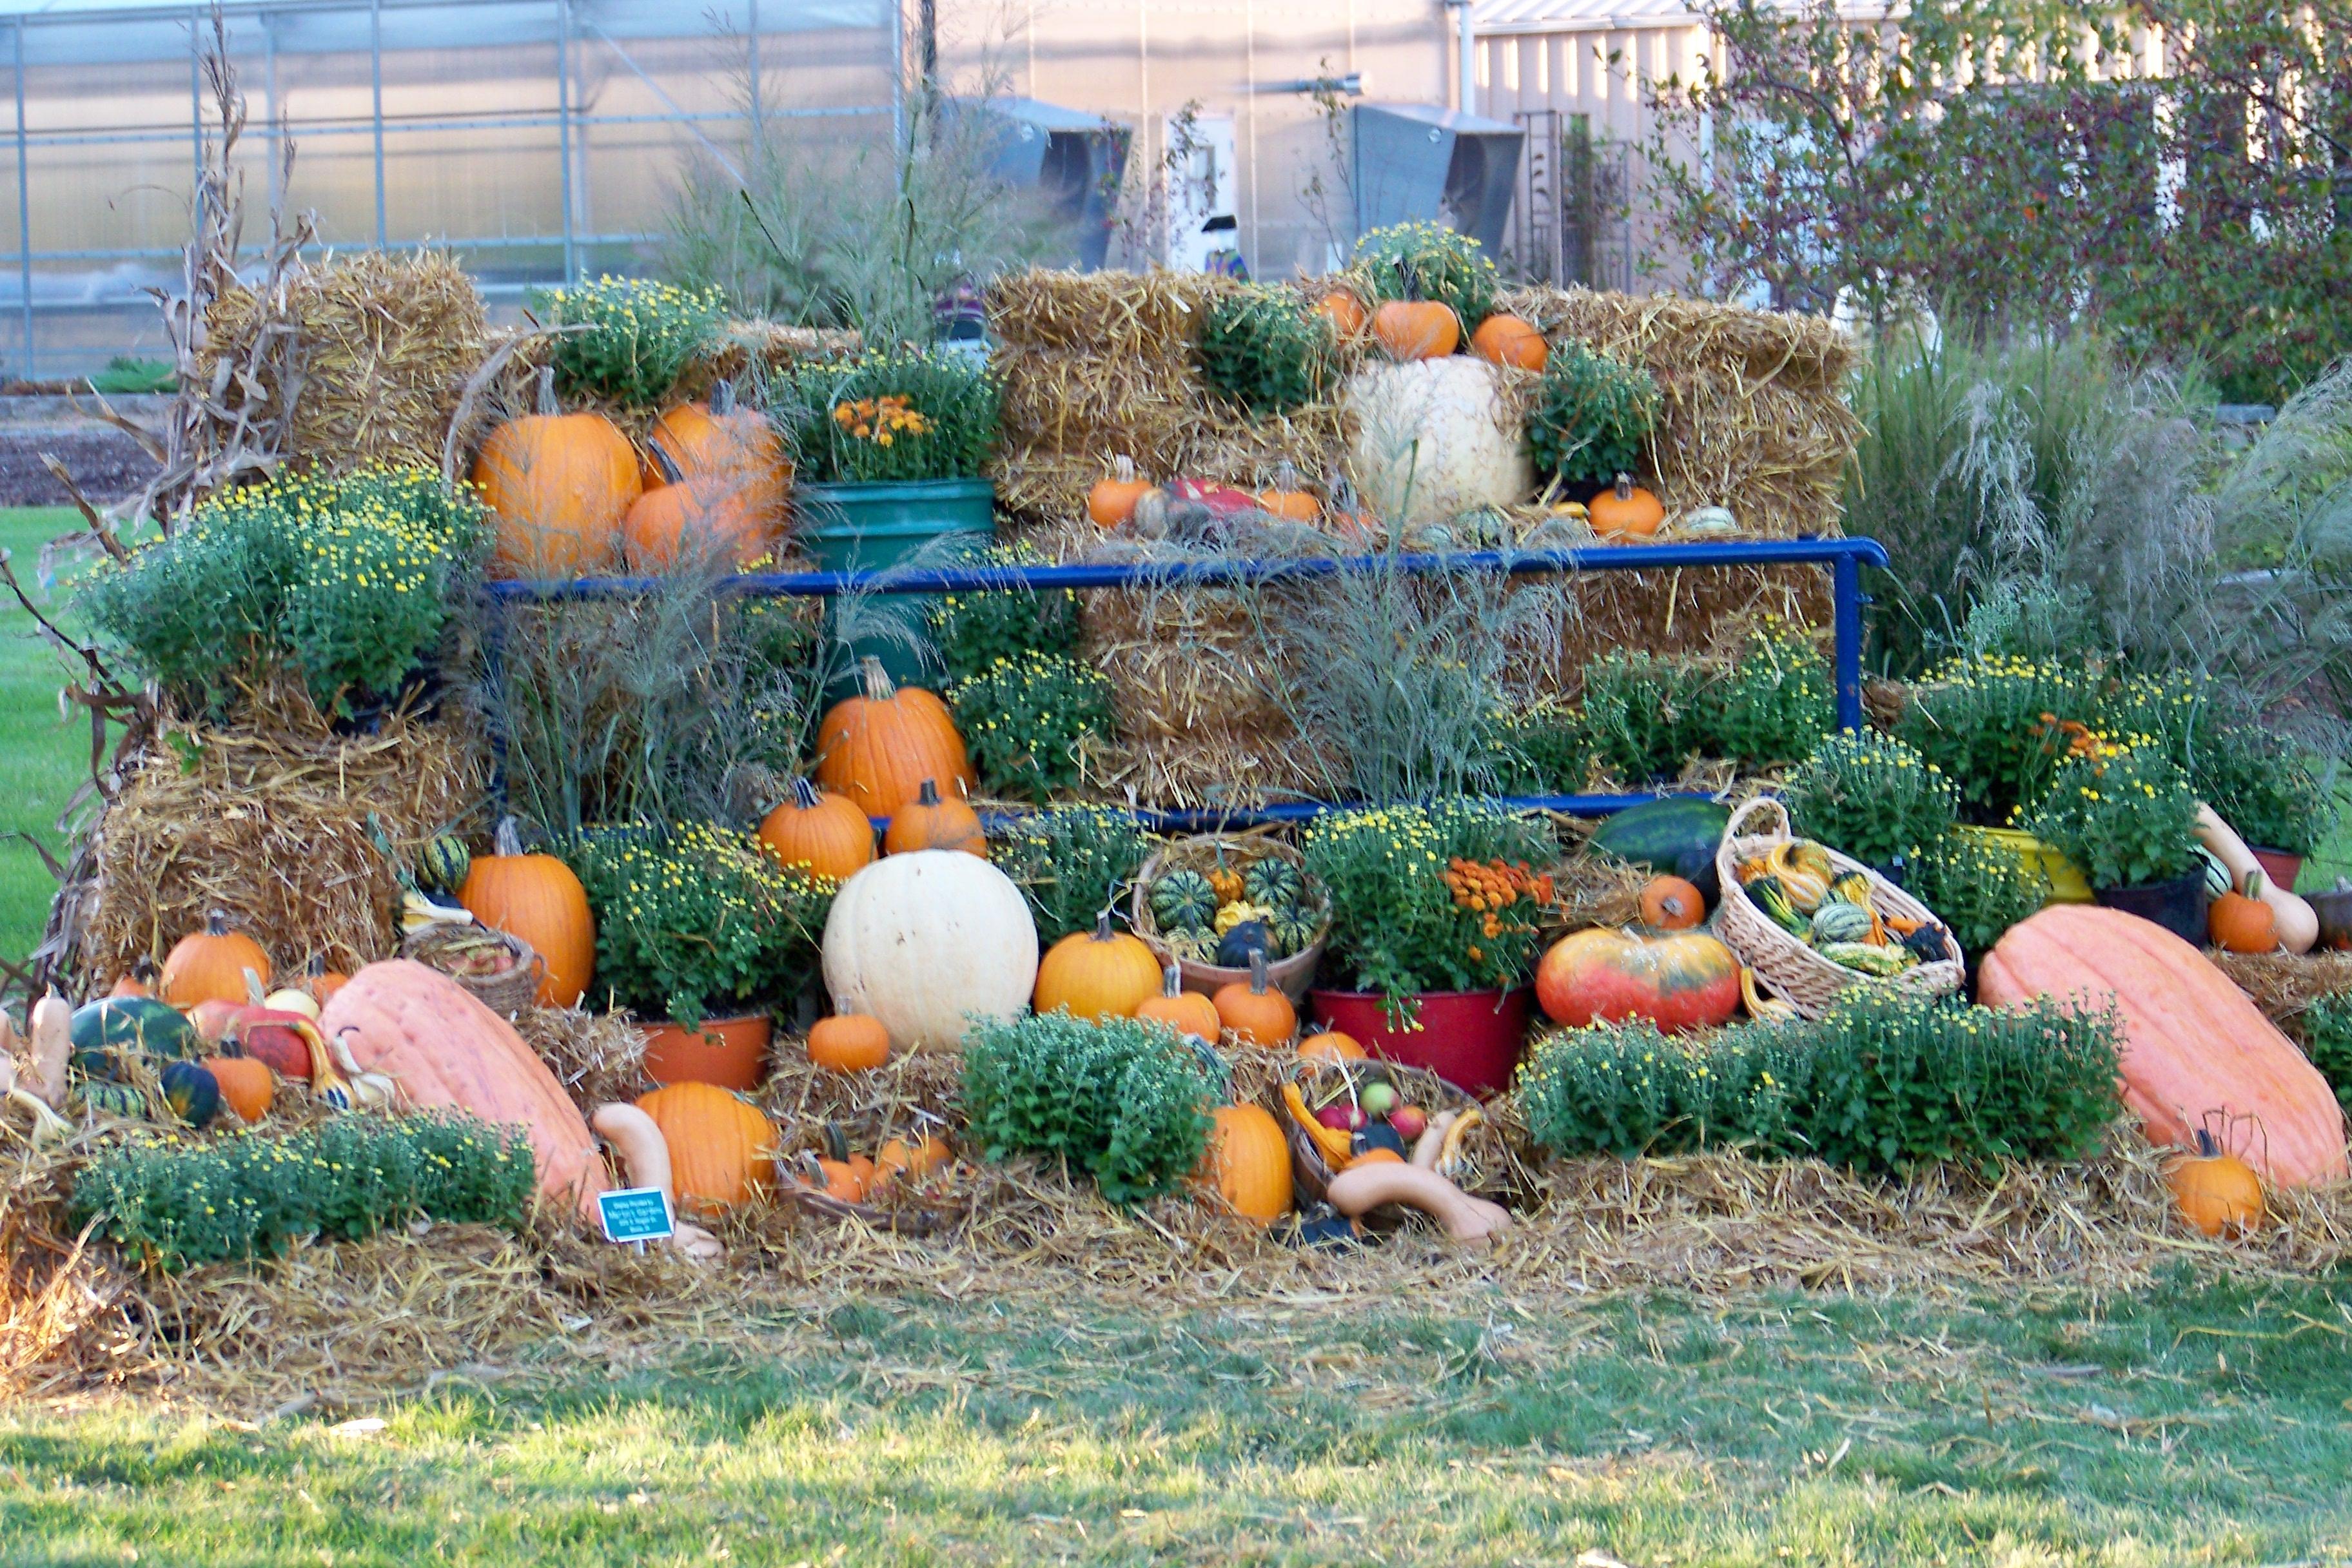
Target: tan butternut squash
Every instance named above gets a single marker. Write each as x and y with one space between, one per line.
1361 1188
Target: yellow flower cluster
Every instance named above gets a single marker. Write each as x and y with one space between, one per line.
625 298
881 419
687 859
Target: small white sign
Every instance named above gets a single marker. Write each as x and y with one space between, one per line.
635 1214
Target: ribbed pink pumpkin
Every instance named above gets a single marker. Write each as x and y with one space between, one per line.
2195 1046
443 1048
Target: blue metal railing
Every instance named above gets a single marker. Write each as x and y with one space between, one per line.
1845 558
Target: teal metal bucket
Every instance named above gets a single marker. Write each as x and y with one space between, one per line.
874 527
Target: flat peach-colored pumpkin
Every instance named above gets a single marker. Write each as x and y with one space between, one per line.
2194 1045
443 1048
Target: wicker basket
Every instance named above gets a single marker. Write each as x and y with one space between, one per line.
1290 976
1319 1082
445 946
1789 967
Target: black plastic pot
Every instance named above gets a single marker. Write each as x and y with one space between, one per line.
2179 906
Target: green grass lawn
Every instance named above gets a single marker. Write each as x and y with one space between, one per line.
44 755
2199 1426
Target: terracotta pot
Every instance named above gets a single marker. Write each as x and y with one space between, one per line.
1472 1040
2279 866
730 1052
2179 906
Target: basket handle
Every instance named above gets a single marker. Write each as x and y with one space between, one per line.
1771 803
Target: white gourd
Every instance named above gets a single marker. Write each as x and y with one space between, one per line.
1434 439
925 941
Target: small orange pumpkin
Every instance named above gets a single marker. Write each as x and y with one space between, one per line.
1332 1045
927 822
1253 1010
1100 973
538 898
820 831
913 1160
1625 510
1417 329
558 485
1506 340
246 1085
1343 311
849 1042
1287 500
1670 904
1111 503
210 965
1186 1012
2239 922
322 982
722 1149
2216 1191
1247 1163
139 981
879 747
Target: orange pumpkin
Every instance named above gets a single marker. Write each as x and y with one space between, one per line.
820 831
536 898
1111 503
2215 1192
1670 904
1287 500
849 1042
2194 1045
1343 311
695 520
1416 328
210 965
322 982
1332 1045
1506 340
1100 973
879 747
1625 510
246 1085
1247 1163
836 1179
722 1149
1186 1012
1255 1011
914 1160
139 981
718 441
927 822
441 1048
1679 980
558 485
2240 922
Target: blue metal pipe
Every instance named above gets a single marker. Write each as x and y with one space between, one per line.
1220 819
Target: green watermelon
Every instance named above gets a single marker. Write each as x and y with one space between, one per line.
138 1024
113 1099
1675 833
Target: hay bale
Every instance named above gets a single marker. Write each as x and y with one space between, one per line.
2284 984
277 822
1753 412
383 344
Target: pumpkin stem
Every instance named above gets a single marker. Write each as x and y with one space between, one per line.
877 680
837 1141
507 839
1624 486
1172 981
317 968
216 923
1122 468
1102 927
547 403
1285 475
805 794
143 969
2206 1148
722 397
928 794
666 465
1257 971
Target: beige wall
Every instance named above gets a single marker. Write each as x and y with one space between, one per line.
1140 61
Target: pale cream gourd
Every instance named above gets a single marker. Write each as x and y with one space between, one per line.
1434 438
926 940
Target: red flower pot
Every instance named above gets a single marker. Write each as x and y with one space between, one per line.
730 1052
2280 867
1472 1040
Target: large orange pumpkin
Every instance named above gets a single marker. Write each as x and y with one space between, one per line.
2195 1046
879 747
1506 340
1417 329
820 831
559 485
1247 1163
1100 973
536 898
209 965
927 822
443 1048
696 519
718 441
722 1149
1680 980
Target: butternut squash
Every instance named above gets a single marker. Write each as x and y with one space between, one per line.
1361 1188
644 1154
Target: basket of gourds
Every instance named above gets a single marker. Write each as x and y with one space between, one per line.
1813 923
1203 903
1339 1111
499 969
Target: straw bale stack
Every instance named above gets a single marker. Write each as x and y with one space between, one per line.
381 345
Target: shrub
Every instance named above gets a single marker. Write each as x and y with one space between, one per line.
1881 1083
2124 814
1033 723
1122 1100
1873 797
170 1204
1427 261
907 414
635 337
1990 724
1070 863
1646 716
1540 748
1591 418
974 631
1775 704
2264 786
1977 888
696 918
1261 346
2326 1030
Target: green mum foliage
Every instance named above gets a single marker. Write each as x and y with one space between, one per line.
1592 416
1264 348
1428 261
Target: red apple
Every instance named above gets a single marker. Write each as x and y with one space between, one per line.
1410 1121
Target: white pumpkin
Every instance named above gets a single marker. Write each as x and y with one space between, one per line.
925 941
1434 439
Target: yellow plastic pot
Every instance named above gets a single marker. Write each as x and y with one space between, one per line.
2067 883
